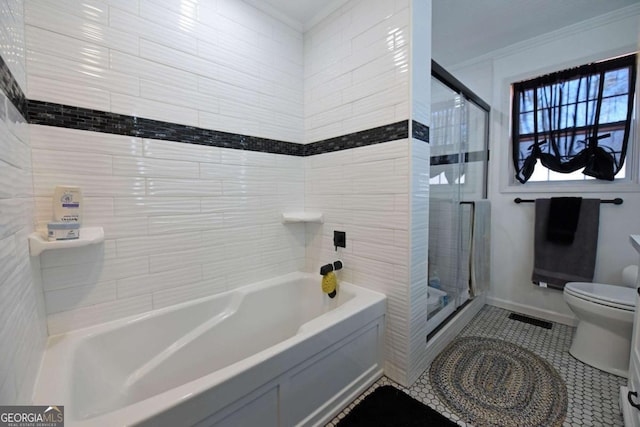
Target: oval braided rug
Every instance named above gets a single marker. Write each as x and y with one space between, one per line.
490 382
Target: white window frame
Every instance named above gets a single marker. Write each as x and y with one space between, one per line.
631 182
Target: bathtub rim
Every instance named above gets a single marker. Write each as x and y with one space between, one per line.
60 350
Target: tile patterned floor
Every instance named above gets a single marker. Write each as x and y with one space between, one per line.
592 394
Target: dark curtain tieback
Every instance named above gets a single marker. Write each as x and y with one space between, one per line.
568 109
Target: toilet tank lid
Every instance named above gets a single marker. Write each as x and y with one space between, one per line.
607 293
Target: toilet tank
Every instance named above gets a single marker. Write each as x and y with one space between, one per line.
630 276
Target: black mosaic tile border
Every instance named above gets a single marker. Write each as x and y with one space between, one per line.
419 131
391 132
67 116
51 114
11 88
469 157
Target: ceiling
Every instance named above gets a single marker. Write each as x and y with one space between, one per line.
465 29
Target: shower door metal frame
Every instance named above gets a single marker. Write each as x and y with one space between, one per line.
446 78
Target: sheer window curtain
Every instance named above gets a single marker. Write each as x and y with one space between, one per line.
575 119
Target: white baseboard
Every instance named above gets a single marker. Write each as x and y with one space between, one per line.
551 316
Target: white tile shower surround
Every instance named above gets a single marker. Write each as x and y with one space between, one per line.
12 39
23 330
356 73
372 208
420 57
168 209
370 193
181 221
238 69
592 394
419 247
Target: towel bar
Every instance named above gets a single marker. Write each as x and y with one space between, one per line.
616 201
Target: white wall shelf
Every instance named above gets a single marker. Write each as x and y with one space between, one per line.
88 236
301 216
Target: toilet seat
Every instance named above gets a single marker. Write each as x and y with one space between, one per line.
619 297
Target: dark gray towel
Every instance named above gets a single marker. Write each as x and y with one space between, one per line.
556 264
562 222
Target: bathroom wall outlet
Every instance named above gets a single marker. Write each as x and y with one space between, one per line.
339 239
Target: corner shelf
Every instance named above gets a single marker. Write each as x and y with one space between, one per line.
301 216
88 236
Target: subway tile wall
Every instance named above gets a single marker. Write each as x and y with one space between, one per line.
181 221
356 73
219 65
421 61
365 192
22 319
420 194
419 249
357 77
184 221
12 35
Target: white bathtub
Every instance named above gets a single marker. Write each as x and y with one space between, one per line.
276 353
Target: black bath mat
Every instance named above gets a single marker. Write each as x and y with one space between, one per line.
389 407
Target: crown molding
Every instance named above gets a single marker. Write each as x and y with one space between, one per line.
598 21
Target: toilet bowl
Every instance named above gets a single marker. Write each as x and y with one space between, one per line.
605 322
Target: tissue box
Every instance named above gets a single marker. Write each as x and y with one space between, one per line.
63 231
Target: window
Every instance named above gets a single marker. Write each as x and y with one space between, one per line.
576 122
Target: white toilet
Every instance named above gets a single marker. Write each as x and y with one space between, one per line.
605 321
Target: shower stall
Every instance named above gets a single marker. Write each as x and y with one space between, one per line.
458 210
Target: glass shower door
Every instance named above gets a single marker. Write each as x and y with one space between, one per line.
448 141
458 215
